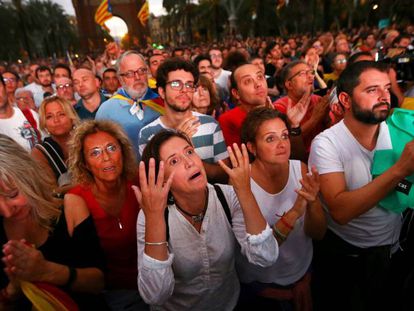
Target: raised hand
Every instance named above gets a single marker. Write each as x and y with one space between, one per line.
189 126
310 186
239 174
153 192
297 112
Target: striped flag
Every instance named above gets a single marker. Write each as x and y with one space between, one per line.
103 13
143 14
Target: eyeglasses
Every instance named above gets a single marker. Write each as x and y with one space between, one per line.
24 99
9 80
302 74
64 86
216 56
341 61
131 73
178 85
98 151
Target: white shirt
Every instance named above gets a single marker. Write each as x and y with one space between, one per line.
223 79
200 273
295 255
20 130
337 150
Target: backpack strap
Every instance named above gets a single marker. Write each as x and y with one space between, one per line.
51 151
224 203
167 227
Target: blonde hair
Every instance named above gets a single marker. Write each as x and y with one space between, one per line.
66 106
19 170
77 163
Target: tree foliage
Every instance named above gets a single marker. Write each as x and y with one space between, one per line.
35 29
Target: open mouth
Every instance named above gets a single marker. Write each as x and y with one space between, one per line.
109 169
195 175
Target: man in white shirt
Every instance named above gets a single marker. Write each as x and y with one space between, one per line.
352 260
221 76
14 123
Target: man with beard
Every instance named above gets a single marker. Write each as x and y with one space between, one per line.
221 76
351 262
87 86
44 76
298 78
134 105
176 81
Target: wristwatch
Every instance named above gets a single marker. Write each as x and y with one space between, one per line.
295 131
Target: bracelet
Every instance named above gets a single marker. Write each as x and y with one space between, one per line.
295 131
73 274
287 225
156 243
278 235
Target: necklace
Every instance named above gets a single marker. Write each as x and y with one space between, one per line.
197 218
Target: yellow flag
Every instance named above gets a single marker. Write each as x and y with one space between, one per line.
143 14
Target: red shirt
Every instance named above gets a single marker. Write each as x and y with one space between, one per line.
231 123
281 105
118 237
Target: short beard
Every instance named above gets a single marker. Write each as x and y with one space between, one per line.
178 109
133 93
369 116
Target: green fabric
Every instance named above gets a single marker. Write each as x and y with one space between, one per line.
401 128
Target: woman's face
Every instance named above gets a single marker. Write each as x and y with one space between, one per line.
13 203
103 156
272 143
57 122
201 99
180 157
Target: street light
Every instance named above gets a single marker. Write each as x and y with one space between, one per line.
117 28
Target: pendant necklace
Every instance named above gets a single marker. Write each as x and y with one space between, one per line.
197 218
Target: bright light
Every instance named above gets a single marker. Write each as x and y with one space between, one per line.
117 27
375 6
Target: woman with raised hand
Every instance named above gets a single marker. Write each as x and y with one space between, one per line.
288 198
57 118
38 243
186 246
103 168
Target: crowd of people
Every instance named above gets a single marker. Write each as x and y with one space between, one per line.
224 176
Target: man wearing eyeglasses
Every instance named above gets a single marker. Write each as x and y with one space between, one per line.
64 89
87 86
134 105
297 79
176 81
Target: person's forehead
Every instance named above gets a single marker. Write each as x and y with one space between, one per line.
109 74
204 62
186 75
132 61
80 73
62 80
8 75
245 70
299 67
373 76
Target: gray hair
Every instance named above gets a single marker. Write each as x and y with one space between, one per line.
20 90
125 54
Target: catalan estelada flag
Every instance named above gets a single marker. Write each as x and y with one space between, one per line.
143 14
103 13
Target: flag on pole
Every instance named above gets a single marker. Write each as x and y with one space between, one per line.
143 14
103 13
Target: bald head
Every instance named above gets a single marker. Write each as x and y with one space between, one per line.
85 83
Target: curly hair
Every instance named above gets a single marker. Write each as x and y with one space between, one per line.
77 163
19 170
66 106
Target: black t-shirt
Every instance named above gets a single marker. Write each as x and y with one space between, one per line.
82 250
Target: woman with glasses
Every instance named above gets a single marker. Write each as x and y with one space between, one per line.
40 243
287 195
206 100
187 245
103 167
338 65
57 118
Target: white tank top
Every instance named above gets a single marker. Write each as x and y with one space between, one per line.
295 254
